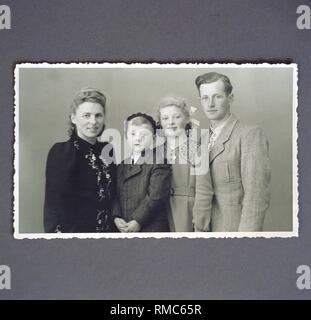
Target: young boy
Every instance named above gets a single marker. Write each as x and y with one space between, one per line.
143 186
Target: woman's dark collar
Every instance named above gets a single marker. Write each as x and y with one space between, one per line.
81 143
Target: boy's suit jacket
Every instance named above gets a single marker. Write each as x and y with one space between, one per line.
142 193
240 178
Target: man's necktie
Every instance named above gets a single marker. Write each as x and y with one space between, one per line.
212 138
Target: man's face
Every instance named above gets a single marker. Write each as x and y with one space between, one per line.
215 101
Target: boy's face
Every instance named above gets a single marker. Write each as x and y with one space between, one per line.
139 137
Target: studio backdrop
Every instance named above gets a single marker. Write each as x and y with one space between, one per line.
263 96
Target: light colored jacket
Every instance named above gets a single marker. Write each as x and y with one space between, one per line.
239 177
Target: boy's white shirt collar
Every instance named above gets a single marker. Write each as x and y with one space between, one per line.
134 158
138 159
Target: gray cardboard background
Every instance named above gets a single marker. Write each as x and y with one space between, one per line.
161 31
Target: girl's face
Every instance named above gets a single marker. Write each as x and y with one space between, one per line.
173 121
89 119
139 137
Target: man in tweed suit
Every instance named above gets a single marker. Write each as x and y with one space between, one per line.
239 173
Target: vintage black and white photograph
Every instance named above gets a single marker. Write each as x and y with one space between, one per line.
118 150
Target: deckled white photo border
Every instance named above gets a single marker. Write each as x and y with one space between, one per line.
157 235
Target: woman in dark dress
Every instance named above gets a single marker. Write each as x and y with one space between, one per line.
80 173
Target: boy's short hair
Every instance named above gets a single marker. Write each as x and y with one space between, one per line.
139 119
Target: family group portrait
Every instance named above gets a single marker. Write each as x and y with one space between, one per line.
155 150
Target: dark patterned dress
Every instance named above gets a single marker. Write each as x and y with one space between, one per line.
80 187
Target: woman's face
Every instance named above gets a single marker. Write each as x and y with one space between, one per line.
89 119
173 121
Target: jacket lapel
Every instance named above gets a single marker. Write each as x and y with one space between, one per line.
224 136
131 170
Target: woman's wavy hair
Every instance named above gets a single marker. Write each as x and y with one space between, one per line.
178 102
85 95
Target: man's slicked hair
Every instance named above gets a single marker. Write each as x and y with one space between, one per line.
211 77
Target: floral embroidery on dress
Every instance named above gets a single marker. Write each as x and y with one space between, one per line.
76 144
103 176
103 181
186 151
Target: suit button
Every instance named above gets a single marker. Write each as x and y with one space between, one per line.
172 191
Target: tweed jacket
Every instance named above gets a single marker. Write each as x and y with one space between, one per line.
239 177
143 192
